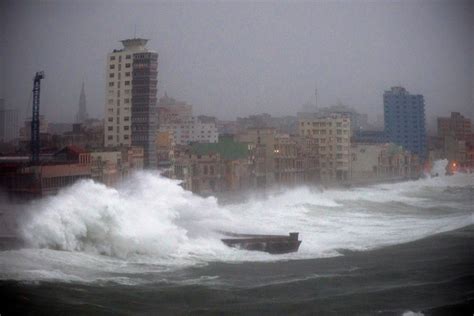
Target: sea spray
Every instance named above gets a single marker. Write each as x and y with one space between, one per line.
148 214
439 168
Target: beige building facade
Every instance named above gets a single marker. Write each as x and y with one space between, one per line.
382 162
333 134
261 143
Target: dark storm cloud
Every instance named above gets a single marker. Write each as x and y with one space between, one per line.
238 58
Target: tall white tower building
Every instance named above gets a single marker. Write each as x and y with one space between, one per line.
130 107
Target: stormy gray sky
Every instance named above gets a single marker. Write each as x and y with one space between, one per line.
235 58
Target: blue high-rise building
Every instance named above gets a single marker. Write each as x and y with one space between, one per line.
404 116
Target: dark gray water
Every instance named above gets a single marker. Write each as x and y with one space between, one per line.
434 276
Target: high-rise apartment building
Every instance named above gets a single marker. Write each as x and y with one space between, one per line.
333 135
404 116
131 88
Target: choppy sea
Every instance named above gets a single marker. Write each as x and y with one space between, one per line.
149 247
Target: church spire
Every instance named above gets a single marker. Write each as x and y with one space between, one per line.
82 115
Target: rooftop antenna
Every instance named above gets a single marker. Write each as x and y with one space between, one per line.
316 97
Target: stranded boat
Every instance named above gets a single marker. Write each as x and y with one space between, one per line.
274 244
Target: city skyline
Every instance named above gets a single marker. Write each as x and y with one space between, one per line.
256 67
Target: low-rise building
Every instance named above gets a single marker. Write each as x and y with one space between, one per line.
456 125
192 130
112 166
261 145
212 167
296 160
382 162
456 141
164 149
172 111
86 136
308 155
62 169
106 167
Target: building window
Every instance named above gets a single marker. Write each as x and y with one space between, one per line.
126 128
127 74
125 137
110 137
111 75
110 128
127 83
111 119
126 119
112 57
111 84
127 100
128 56
127 65
112 67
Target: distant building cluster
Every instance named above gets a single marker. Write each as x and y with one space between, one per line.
176 120
9 123
332 145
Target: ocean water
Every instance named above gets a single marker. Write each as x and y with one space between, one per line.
149 246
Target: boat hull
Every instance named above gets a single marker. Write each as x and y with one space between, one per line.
273 244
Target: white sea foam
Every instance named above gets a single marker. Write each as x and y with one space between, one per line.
411 313
150 224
